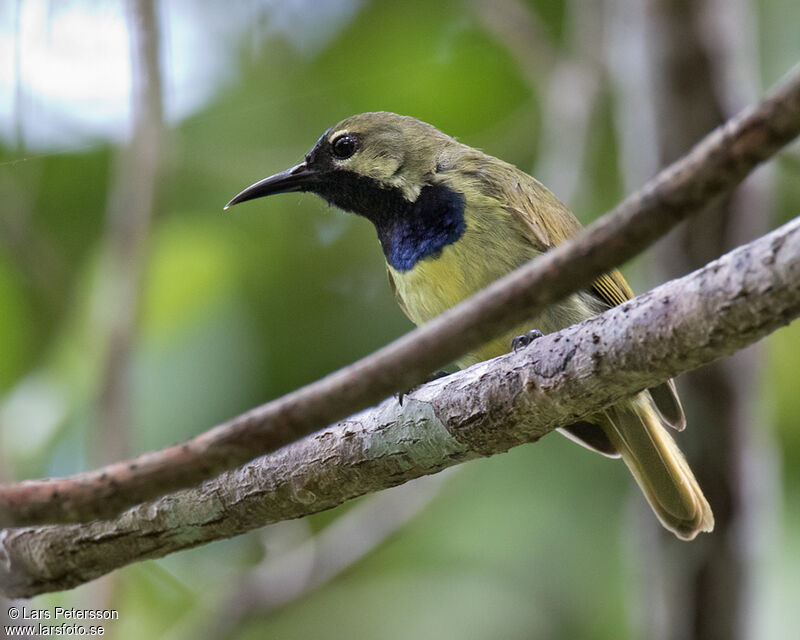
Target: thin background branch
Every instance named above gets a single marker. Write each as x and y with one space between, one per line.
130 210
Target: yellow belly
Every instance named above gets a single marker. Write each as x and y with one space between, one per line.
438 283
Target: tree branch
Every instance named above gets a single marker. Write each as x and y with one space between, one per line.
483 410
718 163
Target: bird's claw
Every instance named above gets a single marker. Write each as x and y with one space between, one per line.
522 341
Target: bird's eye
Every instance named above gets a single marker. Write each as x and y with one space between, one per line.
344 146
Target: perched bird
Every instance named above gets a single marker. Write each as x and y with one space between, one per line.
450 220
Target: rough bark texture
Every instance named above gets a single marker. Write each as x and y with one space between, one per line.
714 166
481 411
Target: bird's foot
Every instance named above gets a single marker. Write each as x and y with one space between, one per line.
441 373
522 341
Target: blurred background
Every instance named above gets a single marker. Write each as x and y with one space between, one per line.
135 314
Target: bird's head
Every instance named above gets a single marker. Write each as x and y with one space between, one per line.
364 153
384 167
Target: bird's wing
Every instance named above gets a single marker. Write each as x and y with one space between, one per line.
545 231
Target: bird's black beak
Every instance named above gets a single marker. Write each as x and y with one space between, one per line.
298 178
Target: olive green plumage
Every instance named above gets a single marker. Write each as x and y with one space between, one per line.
451 219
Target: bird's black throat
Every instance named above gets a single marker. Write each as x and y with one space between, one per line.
408 230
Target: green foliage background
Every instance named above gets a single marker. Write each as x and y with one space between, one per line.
241 307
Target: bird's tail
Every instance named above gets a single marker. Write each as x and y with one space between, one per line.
660 470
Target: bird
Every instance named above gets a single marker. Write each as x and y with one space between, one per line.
451 219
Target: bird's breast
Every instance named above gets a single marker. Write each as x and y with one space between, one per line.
460 269
431 286
485 253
